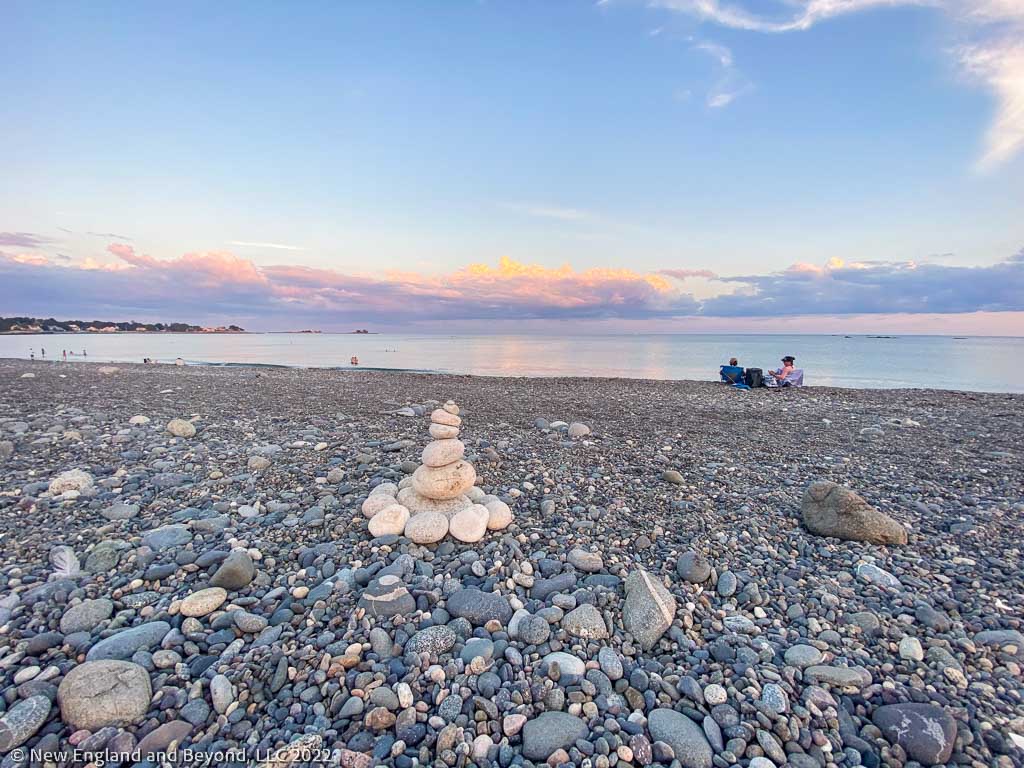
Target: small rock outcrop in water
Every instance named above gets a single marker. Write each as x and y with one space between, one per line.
830 509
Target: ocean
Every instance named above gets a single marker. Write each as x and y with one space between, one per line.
984 364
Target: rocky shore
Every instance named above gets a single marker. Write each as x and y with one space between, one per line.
690 575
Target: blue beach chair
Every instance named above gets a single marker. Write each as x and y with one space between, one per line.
732 374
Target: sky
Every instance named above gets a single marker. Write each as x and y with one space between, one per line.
668 165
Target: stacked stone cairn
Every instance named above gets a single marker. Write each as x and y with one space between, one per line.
440 498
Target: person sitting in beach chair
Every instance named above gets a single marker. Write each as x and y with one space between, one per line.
731 373
786 376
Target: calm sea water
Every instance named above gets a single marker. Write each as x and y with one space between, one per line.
977 363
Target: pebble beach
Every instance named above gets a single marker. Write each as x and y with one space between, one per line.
693 576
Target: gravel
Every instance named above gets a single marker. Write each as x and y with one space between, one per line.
233 603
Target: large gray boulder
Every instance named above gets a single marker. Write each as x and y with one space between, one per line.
124 644
387 596
236 572
549 732
649 608
22 720
829 509
1007 640
96 694
167 537
585 621
84 616
686 738
479 607
925 731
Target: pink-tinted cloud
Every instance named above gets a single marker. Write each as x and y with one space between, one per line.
207 270
225 282
197 286
28 258
480 290
23 240
859 288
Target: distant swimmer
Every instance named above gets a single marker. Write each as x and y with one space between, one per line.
42 351
354 360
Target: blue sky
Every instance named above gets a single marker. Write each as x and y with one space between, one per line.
401 142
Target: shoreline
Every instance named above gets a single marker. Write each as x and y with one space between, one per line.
603 334
129 333
552 377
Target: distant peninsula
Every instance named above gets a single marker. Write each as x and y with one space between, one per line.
26 325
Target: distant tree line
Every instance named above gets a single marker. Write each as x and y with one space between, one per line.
51 325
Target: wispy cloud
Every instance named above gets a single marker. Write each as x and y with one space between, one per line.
994 56
718 100
730 82
1000 66
110 235
24 240
271 246
542 211
809 12
686 274
716 51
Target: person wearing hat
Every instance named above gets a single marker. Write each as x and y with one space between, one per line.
788 364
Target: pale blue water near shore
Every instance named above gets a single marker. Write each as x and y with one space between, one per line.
984 364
